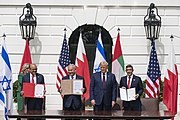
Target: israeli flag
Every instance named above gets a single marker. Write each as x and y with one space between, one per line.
100 55
6 88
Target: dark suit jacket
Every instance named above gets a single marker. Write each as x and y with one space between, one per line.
39 80
109 93
137 84
73 100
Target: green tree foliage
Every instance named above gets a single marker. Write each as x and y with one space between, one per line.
15 88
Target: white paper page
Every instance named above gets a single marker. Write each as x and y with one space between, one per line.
123 94
131 94
77 86
39 91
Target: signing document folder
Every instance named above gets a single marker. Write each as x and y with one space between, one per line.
127 94
77 86
33 90
72 87
39 91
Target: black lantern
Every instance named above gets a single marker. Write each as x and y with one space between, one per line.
27 23
152 23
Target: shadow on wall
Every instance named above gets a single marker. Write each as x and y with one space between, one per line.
159 50
36 48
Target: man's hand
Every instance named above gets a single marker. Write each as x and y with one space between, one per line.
118 99
22 93
136 96
93 102
113 103
44 92
82 89
60 91
123 87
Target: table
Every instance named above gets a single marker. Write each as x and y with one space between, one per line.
117 114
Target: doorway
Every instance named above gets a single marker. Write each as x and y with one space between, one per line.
90 34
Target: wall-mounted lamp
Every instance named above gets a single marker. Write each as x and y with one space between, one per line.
27 23
152 23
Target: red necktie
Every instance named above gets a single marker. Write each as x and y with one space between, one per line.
104 82
32 78
129 84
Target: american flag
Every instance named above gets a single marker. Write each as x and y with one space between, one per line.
63 62
153 75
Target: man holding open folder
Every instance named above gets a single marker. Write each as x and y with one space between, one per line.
72 101
33 103
130 82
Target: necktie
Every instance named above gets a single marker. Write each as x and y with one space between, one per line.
129 84
72 77
104 82
32 78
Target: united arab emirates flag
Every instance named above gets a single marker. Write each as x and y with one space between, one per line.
118 60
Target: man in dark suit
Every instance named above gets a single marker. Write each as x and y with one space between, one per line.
132 81
103 89
36 78
73 102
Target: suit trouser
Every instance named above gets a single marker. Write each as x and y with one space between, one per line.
34 104
102 107
137 108
72 108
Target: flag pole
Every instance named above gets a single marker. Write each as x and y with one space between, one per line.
65 33
172 37
4 36
100 30
65 30
80 30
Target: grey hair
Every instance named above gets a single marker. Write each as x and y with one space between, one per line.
72 65
103 63
25 66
